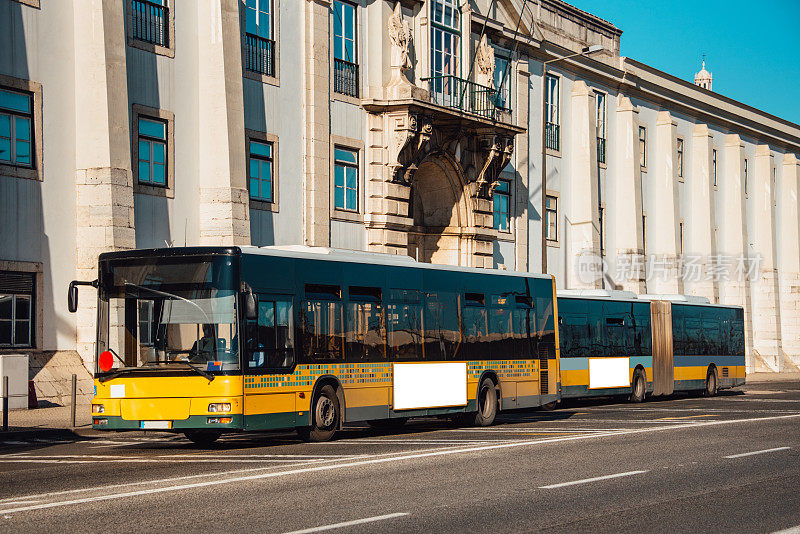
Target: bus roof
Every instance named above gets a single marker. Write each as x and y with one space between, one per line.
627 296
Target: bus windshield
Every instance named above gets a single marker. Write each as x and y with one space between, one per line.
168 312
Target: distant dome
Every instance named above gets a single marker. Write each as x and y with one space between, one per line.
703 78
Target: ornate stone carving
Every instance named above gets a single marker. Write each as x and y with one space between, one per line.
498 154
400 37
484 59
411 135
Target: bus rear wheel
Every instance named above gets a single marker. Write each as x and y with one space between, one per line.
203 438
487 403
711 384
638 387
324 416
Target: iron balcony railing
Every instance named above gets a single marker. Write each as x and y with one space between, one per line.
601 150
149 22
552 136
259 54
453 92
345 77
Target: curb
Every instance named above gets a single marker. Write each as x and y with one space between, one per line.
46 433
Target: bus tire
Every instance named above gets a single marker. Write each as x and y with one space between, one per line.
395 422
711 383
638 387
486 403
325 414
202 438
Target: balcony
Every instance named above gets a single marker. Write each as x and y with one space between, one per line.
149 22
464 95
345 78
601 150
259 55
552 136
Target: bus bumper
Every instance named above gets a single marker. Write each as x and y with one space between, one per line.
193 422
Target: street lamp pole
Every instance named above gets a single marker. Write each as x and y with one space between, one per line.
584 52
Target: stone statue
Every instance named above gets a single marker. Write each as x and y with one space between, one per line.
484 58
400 36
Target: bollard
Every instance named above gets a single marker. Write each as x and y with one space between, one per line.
5 404
74 407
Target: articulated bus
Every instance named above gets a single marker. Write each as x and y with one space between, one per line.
618 343
205 340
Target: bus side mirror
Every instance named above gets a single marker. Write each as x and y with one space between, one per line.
72 297
250 308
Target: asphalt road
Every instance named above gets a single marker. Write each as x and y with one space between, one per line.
728 463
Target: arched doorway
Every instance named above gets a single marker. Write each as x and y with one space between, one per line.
441 212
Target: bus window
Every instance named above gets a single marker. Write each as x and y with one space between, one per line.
694 326
433 335
712 337
366 334
501 332
475 329
404 325
323 337
574 336
270 338
524 327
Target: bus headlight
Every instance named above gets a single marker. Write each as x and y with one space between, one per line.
98 408
219 407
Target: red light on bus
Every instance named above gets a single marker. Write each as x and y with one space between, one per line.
106 360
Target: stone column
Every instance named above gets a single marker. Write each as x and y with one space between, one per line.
224 201
626 184
316 136
766 308
583 231
734 287
663 210
103 178
522 166
699 228
789 256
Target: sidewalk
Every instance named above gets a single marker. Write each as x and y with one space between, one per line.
753 378
48 422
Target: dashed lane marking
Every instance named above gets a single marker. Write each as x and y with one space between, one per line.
753 453
593 479
349 523
685 417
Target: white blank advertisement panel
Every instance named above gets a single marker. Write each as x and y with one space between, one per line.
609 373
429 385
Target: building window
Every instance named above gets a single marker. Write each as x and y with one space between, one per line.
601 127
345 179
150 21
16 128
261 171
445 44
745 176
502 80
552 127
152 166
642 147
551 217
146 323
345 64
501 202
714 166
680 159
16 309
259 43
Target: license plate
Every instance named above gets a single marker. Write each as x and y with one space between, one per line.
156 424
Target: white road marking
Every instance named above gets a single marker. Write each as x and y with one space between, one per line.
349 523
593 479
373 461
753 453
790 530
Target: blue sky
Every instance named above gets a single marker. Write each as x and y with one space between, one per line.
752 48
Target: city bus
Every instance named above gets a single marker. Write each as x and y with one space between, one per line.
206 340
618 343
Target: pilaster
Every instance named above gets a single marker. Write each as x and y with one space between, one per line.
789 258
663 208
103 178
224 201
766 307
626 183
316 136
583 232
699 228
522 166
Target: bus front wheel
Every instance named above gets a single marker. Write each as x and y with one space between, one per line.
639 387
711 384
487 403
325 417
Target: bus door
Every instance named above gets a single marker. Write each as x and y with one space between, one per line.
663 365
269 360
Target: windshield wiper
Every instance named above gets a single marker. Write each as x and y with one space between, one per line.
207 376
117 373
171 295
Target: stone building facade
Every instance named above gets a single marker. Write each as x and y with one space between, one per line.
417 127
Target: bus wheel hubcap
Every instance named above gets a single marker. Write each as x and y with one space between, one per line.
325 412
